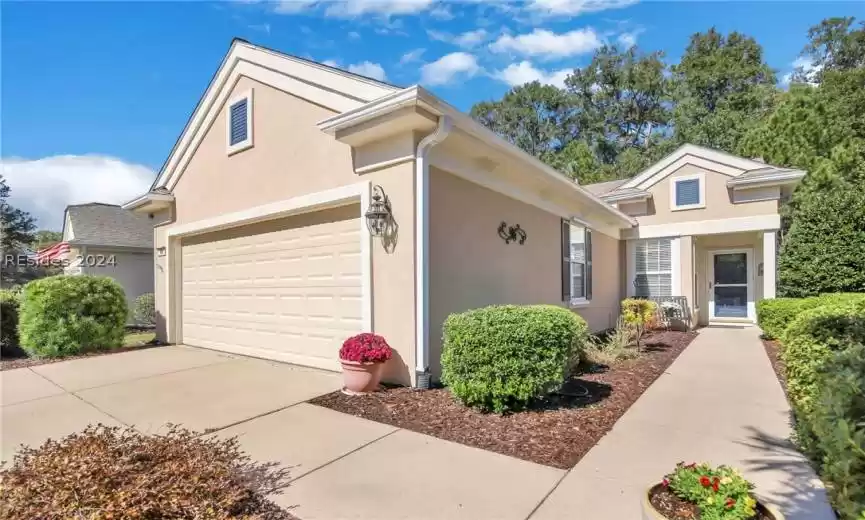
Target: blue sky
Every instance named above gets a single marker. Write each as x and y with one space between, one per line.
95 94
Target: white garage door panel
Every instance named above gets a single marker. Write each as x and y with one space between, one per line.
288 290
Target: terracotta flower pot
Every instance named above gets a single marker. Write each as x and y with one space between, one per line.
359 377
650 513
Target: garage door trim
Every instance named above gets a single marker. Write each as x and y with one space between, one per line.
345 195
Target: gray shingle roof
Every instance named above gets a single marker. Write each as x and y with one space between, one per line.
601 188
100 224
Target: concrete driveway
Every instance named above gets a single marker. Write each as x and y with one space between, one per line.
377 471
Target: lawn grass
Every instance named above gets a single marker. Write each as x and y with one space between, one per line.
135 339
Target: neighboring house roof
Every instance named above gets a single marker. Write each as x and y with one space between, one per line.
98 224
743 173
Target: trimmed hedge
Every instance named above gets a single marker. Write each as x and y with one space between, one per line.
499 358
144 310
775 315
840 431
9 303
809 343
65 315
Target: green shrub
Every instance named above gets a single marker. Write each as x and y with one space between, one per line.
499 358
638 314
9 302
64 315
839 426
809 343
613 346
775 315
144 310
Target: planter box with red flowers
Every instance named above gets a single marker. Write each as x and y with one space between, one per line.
363 357
702 491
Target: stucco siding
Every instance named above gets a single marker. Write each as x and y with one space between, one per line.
703 247
291 157
471 266
132 270
718 204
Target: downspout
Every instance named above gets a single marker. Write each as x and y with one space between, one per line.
442 130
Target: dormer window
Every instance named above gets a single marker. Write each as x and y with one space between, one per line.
688 192
239 123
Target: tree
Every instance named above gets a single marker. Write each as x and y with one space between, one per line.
16 235
835 45
723 87
824 251
44 238
534 117
622 100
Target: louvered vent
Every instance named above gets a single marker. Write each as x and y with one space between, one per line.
238 125
687 192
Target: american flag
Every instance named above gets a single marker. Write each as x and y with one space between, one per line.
55 252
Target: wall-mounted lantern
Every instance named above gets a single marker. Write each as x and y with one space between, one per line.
378 214
160 251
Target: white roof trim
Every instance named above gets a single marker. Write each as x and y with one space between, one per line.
627 196
417 95
723 163
148 198
323 85
774 179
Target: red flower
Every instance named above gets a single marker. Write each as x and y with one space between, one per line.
704 480
665 482
715 484
365 348
730 503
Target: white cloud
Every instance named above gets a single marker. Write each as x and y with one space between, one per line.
353 8
803 63
628 39
568 8
354 35
467 40
524 72
331 63
293 6
369 69
548 44
448 68
411 56
442 12
44 187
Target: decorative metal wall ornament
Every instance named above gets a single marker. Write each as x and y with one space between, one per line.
512 233
378 215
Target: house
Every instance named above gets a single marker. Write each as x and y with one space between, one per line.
107 240
302 204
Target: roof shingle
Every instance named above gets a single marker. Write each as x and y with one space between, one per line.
99 224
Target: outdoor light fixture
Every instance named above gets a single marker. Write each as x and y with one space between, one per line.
378 215
160 251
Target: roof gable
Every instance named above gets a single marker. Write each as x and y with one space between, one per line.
326 86
714 160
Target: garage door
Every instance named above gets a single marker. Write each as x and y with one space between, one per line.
288 289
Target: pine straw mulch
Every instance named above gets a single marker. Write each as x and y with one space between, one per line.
556 431
773 350
114 473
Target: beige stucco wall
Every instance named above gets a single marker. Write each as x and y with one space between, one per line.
719 202
291 157
471 266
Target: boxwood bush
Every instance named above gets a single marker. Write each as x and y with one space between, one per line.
809 343
144 310
9 302
65 315
501 357
775 315
840 431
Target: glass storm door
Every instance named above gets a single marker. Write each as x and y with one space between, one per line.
729 291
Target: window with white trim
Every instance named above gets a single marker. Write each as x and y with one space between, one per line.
687 192
239 123
653 268
576 263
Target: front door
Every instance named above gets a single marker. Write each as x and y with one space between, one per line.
730 295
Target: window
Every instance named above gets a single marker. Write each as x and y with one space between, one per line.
576 263
687 192
239 123
653 268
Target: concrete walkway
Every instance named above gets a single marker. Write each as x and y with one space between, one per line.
719 402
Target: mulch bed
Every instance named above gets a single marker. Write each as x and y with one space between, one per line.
674 508
773 350
556 431
21 360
